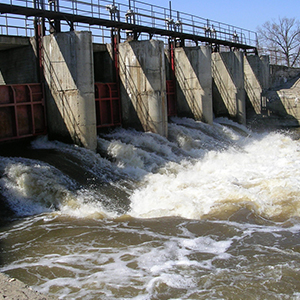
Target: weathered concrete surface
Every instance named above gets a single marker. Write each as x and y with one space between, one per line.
228 85
69 76
285 102
11 42
18 62
103 63
256 80
143 86
194 83
280 75
14 289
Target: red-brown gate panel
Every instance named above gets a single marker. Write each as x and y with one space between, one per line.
108 106
171 98
22 111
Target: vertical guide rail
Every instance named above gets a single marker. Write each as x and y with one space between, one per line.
171 84
116 41
107 95
39 26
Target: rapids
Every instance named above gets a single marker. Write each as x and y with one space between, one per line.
212 212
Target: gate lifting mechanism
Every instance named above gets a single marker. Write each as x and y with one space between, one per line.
22 111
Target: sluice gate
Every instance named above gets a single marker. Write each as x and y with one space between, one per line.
22 111
153 63
171 98
108 105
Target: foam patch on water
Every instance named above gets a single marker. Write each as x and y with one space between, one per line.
92 266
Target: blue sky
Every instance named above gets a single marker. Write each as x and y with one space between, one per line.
245 14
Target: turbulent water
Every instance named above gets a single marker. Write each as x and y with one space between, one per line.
212 212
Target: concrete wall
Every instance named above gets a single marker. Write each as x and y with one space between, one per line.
103 63
18 62
283 100
143 85
69 76
256 81
194 83
279 75
72 64
228 85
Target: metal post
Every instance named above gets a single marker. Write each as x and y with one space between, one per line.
54 24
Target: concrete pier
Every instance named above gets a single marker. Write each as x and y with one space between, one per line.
256 81
228 85
208 85
194 84
143 86
69 77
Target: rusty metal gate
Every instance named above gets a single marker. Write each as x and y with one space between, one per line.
22 111
108 106
171 98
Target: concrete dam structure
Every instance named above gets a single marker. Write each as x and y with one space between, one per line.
133 82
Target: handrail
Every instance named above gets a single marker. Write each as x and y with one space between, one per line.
137 13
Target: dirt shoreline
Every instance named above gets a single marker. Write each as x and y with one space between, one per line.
14 289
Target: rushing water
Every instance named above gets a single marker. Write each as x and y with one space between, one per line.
211 213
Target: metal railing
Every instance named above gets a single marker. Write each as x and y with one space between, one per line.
125 11
16 25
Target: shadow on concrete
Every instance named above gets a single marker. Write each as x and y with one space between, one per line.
134 110
58 128
19 65
283 102
219 107
223 103
103 64
135 95
253 101
188 105
250 111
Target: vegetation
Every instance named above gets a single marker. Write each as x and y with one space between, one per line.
281 40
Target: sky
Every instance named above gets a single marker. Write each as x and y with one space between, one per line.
245 14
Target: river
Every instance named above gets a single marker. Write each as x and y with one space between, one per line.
212 212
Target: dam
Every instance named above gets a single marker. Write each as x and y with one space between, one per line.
180 200
152 63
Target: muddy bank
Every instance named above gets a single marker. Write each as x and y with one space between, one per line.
14 289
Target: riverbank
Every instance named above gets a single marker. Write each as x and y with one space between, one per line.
14 289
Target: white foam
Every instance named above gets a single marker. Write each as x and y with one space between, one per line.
33 187
265 172
202 169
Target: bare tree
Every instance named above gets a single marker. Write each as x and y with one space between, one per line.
282 39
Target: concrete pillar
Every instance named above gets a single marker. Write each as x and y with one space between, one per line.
194 83
228 85
69 76
257 82
143 86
